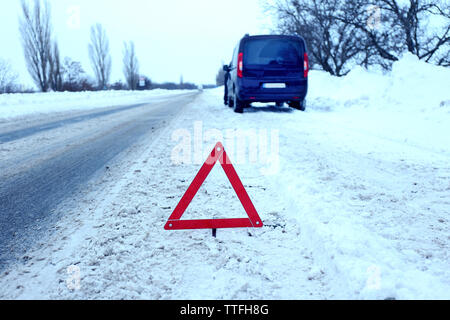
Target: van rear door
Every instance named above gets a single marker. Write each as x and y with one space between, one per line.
273 58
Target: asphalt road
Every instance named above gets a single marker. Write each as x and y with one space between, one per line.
25 132
33 185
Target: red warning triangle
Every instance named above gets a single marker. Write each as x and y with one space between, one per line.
253 220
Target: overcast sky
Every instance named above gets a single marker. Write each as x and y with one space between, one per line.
172 37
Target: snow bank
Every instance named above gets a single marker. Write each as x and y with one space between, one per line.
412 85
362 215
17 105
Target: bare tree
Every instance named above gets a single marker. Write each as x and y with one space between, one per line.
412 19
7 77
333 44
402 26
366 32
36 29
73 75
55 71
100 55
130 65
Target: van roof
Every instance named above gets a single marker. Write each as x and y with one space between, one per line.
273 36
296 37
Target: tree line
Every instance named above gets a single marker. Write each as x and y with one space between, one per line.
50 73
341 34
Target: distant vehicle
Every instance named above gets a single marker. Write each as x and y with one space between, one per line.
268 68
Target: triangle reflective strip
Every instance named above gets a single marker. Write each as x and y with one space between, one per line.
217 154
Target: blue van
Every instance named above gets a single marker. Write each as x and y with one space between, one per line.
267 68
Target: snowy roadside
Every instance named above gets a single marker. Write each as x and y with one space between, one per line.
116 239
354 198
374 210
13 106
334 219
369 190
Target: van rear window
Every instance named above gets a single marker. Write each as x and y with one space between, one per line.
276 52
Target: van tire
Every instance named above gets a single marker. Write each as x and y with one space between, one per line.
238 105
299 105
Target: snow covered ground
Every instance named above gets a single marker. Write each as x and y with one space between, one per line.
354 195
21 105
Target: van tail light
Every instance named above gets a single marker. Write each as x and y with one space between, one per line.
305 65
240 65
